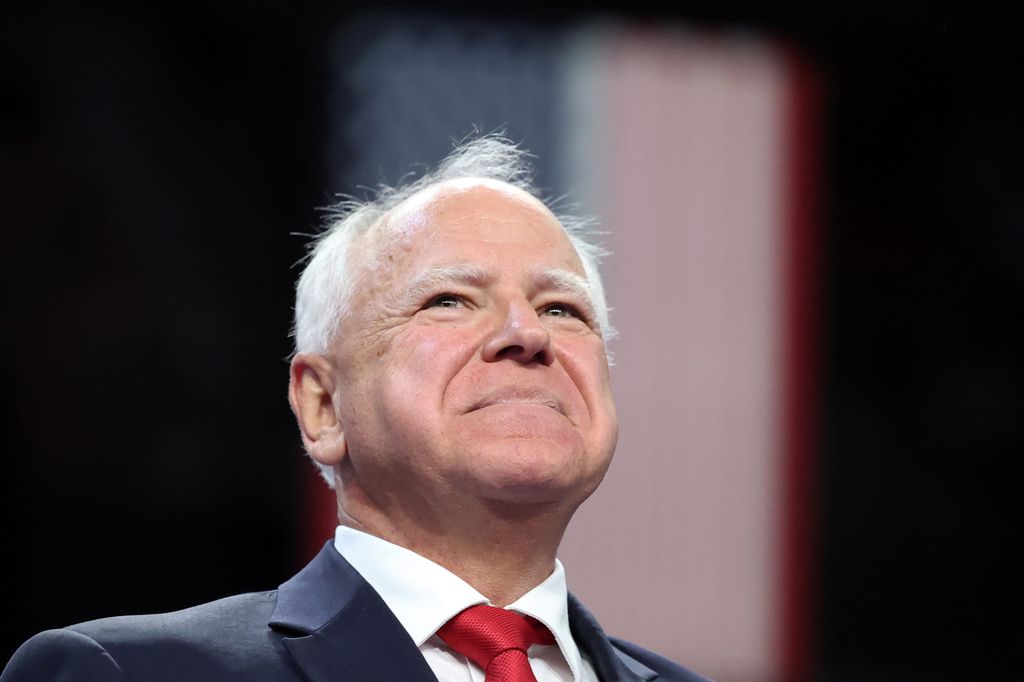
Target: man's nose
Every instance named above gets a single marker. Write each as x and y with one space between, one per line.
522 337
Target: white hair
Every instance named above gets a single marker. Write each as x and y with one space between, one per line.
325 286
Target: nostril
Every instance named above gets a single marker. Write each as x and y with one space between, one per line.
521 354
511 352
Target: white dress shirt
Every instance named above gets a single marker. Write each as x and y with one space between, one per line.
424 596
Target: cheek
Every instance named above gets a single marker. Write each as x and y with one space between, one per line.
585 362
422 361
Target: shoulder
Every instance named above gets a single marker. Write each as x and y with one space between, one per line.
229 616
666 669
51 655
227 635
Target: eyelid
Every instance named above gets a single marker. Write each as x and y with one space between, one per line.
570 307
579 310
432 299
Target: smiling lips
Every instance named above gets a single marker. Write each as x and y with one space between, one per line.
511 395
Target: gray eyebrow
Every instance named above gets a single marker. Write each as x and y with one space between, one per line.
431 278
565 280
571 283
558 279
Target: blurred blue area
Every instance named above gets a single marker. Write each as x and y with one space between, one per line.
404 86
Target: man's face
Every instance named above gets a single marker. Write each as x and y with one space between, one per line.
470 363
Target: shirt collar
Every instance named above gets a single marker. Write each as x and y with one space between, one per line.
548 603
425 604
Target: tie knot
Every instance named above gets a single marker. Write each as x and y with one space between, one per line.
481 633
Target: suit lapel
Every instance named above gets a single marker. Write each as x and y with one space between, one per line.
610 664
338 629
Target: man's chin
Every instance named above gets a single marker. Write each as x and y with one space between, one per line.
529 502
531 472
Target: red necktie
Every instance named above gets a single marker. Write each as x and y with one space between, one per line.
496 640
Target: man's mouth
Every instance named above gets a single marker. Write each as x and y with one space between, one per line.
516 395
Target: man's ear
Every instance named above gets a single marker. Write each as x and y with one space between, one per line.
311 392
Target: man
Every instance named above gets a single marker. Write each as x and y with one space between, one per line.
451 382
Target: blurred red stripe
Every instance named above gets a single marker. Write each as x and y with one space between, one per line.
798 644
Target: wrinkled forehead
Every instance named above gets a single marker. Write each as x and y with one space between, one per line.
468 206
461 196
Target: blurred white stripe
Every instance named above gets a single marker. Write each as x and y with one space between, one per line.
678 142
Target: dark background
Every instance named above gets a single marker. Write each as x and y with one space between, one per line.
153 164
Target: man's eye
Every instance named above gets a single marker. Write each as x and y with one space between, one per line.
561 310
444 301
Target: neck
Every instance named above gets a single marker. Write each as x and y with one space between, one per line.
502 550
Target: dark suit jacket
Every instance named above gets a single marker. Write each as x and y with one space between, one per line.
324 625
